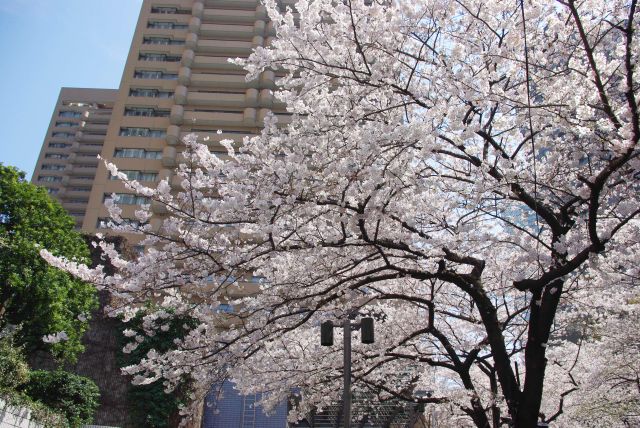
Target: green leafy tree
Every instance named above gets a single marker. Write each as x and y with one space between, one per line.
74 396
154 407
14 370
41 299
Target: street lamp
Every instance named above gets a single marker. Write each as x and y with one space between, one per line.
326 339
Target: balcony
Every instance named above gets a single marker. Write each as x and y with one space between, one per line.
74 206
81 180
93 127
86 148
238 4
83 158
63 129
80 170
243 118
89 138
234 16
226 81
216 119
72 194
214 63
234 32
212 140
283 118
97 116
225 47
220 99
224 98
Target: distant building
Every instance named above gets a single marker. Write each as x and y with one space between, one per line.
226 408
68 159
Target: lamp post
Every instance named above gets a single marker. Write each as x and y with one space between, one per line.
326 339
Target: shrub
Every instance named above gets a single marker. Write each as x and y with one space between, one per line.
14 370
74 396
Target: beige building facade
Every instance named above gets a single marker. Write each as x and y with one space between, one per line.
177 80
67 163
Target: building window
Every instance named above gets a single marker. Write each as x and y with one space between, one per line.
65 124
84 177
62 134
137 153
49 178
52 167
103 222
145 112
66 113
165 25
161 41
148 74
151 93
169 10
224 308
160 25
128 199
80 189
159 57
142 132
55 155
59 145
52 191
137 175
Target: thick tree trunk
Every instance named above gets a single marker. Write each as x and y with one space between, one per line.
544 304
504 371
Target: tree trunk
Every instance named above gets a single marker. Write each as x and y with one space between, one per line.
544 304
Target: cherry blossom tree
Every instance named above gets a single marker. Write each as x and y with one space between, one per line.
465 171
599 367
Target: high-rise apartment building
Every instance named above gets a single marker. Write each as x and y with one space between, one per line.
178 80
68 160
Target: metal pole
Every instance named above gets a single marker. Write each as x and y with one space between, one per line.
346 395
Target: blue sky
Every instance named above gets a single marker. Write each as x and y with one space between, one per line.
48 44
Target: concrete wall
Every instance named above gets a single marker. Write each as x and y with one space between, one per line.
15 417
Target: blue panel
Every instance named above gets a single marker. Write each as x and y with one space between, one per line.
226 408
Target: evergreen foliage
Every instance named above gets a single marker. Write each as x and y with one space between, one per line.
74 396
41 299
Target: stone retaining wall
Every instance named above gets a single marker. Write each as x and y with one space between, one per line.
15 417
